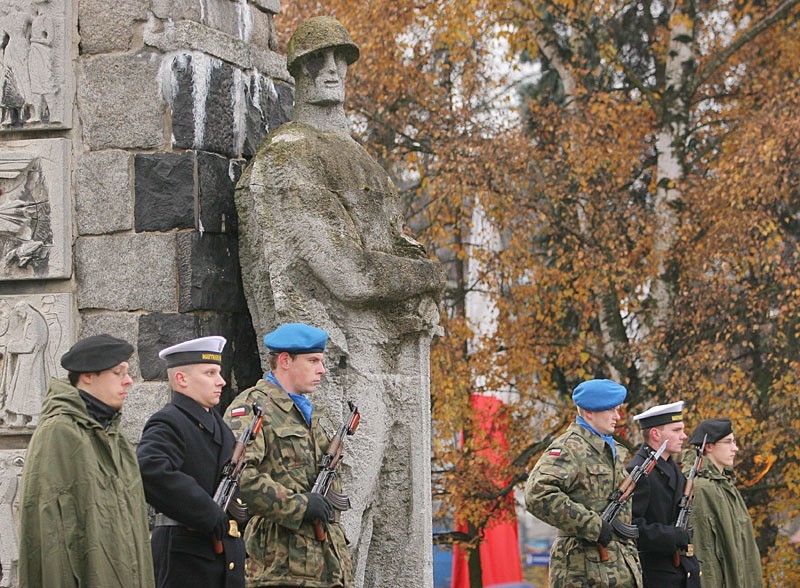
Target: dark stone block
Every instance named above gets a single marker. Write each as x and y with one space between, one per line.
157 331
280 109
224 326
165 191
208 273
183 103
246 360
217 179
267 109
218 128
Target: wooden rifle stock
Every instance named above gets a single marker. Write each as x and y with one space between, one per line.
329 464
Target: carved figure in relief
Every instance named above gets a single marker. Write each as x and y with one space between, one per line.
10 471
47 308
27 366
25 230
5 320
15 94
40 64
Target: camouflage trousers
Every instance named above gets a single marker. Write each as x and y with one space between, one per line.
575 562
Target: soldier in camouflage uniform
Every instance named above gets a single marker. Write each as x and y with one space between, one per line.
569 487
281 467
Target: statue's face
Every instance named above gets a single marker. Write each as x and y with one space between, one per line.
322 77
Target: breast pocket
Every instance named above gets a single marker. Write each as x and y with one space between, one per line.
599 484
294 453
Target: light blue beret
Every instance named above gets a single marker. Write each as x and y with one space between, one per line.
599 394
296 338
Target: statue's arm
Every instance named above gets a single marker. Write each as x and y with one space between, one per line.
323 234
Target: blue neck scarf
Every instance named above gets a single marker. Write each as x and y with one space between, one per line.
607 438
302 403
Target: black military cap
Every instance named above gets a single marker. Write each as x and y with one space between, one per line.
96 353
716 429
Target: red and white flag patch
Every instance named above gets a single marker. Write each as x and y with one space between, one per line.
239 411
556 452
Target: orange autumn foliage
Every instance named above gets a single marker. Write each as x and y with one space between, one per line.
648 211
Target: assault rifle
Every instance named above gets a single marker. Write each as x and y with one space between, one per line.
685 505
232 473
621 495
328 465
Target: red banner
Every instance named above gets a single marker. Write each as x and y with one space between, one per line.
499 549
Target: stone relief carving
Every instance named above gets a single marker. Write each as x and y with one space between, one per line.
32 340
35 226
11 462
33 82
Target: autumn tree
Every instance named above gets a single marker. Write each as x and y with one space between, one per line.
644 192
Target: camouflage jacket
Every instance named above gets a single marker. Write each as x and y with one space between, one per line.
568 488
280 465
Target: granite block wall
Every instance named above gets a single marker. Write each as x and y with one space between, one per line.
119 154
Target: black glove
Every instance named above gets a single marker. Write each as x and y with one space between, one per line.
221 526
682 538
319 507
605 534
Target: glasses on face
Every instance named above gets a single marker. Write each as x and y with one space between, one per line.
727 442
121 373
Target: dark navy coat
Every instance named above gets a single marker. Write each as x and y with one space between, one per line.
181 455
655 509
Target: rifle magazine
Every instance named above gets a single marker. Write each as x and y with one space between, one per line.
339 501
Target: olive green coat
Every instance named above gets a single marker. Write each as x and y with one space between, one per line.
723 539
568 488
280 465
83 517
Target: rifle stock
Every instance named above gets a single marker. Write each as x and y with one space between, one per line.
328 468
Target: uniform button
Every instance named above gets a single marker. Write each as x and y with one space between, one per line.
231 566
200 425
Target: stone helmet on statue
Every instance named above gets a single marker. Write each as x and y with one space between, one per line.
315 34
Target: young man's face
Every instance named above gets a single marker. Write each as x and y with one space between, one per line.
723 452
603 421
109 386
674 434
203 383
303 372
322 76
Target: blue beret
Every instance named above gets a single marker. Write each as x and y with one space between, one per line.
96 353
599 394
296 338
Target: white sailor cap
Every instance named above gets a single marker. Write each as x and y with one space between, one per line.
660 415
202 350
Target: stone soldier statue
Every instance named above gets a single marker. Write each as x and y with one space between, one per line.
569 487
322 241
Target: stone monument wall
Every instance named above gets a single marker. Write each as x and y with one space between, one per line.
124 127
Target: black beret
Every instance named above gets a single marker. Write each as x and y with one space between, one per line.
716 429
96 353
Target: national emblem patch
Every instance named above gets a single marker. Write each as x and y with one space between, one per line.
239 411
556 452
